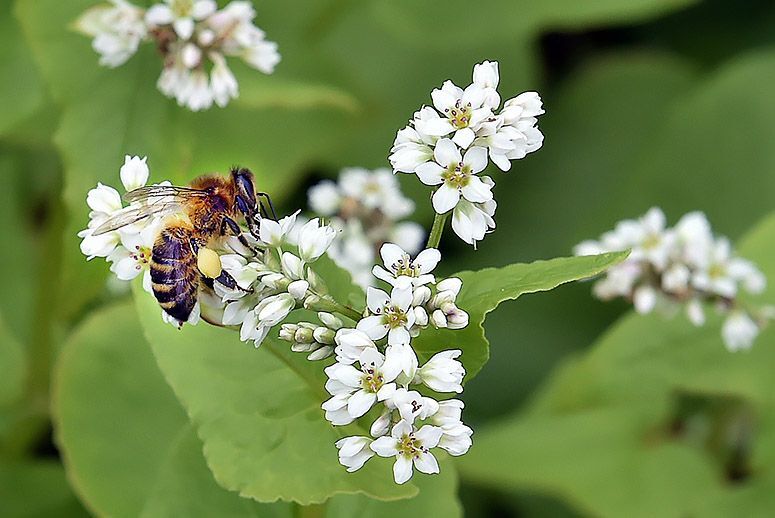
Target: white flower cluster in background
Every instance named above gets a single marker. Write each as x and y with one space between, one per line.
273 275
194 37
684 265
366 208
377 376
450 143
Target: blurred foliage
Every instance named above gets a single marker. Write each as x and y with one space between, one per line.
649 102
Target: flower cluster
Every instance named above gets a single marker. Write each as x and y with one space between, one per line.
127 249
683 265
273 275
194 38
376 365
449 144
365 206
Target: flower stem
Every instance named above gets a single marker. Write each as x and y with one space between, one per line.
328 304
438 227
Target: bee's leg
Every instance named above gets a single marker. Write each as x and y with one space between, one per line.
229 225
227 280
264 212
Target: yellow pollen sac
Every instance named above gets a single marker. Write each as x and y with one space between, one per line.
209 263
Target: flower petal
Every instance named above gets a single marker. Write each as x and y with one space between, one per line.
446 152
429 173
445 198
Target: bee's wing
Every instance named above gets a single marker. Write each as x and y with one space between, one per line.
154 193
135 213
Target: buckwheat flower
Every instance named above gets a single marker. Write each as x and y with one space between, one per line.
314 239
645 299
350 345
358 390
411 405
390 315
443 373
739 331
196 93
411 149
403 354
117 30
181 14
134 256
222 82
463 111
273 310
472 221
486 76
408 235
399 264
354 452
456 175
275 233
134 172
449 412
694 312
723 272
193 318
409 447
456 439
324 198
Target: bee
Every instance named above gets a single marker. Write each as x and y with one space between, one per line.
195 217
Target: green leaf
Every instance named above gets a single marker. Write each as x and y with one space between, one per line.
127 445
603 434
35 489
257 411
484 290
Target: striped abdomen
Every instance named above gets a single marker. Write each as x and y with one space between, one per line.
174 272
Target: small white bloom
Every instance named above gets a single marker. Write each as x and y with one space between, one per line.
410 149
298 289
463 110
390 315
399 264
443 373
222 81
134 172
351 343
739 331
449 412
412 405
117 30
695 313
456 439
409 446
275 233
314 239
324 198
354 452
456 175
273 310
486 77
472 221
181 14
645 299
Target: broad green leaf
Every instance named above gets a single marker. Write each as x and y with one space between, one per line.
127 444
438 497
37 488
12 366
484 290
22 91
600 432
257 411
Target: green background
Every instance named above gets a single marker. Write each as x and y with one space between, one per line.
649 102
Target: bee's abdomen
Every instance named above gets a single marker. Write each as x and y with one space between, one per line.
174 272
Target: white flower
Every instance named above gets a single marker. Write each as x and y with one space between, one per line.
456 175
134 172
104 199
222 82
391 315
406 359
408 235
355 391
739 331
195 93
443 373
134 256
463 112
273 310
486 77
399 264
449 412
411 149
695 313
354 452
472 221
314 239
456 438
181 14
412 405
117 30
324 198
351 343
275 233
645 299
409 447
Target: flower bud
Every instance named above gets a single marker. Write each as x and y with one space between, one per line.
452 284
456 317
330 320
324 335
292 266
438 319
421 295
287 332
276 281
304 333
420 316
381 425
298 289
321 353
272 310
311 302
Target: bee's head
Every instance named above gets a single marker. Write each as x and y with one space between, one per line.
245 195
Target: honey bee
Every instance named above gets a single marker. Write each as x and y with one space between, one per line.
195 218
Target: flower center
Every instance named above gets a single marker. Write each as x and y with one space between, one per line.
142 256
457 175
410 446
716 271
652 241
182 8
405 266
372 380
394 317
460 114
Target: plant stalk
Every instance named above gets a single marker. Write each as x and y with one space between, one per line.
437 229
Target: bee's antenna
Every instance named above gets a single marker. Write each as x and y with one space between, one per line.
269 201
